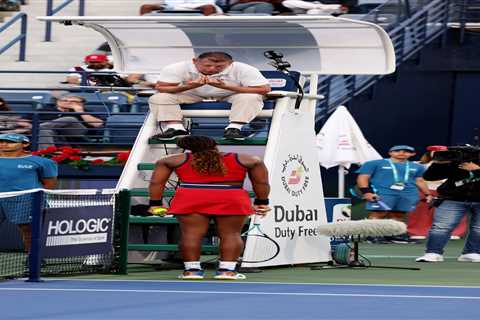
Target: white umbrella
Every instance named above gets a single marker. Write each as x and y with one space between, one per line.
340 143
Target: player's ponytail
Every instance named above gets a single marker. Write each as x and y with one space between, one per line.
206 156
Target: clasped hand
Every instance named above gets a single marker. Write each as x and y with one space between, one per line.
203 80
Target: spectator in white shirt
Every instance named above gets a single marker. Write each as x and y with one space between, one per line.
208 7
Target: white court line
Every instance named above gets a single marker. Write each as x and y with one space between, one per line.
260 282
400 256
360 295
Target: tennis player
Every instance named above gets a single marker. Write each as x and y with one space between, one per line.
211 186
19 170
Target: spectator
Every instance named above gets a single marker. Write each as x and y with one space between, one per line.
314 7
56 128
212 75
9 5
12 123
420 220
210 188
19 170
208 7
259 6
394 181
93 63
458 195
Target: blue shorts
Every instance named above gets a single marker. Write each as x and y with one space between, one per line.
17 210
403 203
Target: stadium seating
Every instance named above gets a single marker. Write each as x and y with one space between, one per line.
110 102
122 128
27 100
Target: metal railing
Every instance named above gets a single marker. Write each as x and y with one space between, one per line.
121 130
465 15
410 30
51 11
22 37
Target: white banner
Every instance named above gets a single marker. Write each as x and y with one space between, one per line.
296 196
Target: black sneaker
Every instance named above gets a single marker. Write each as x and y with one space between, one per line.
233 134
170 134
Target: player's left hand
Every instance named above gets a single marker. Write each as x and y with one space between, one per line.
261 209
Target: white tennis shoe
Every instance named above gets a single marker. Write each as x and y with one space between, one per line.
469 257
430 257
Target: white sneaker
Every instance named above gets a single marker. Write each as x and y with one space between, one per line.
430 257
455 238
469 257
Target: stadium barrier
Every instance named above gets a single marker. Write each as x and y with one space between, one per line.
72 232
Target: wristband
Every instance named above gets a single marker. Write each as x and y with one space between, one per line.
366 190
260 202
155 203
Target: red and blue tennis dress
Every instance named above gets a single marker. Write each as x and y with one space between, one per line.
202 193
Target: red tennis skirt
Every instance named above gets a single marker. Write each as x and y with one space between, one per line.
211 202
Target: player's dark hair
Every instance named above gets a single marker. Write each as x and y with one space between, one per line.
206 158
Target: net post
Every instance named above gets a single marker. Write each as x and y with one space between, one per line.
36 226
124 202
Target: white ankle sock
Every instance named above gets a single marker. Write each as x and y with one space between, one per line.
228 265
192 265
235 125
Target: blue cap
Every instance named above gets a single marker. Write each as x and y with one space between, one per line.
402 147
14 137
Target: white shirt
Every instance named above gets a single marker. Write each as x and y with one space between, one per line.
237 74
188 2
85 68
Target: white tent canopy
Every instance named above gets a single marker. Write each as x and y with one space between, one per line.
320 44
341 143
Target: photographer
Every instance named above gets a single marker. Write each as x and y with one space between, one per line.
458 195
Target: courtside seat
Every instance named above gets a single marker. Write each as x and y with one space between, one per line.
112 102
123 128
279 81
215 126
27 100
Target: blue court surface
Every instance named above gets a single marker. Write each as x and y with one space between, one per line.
79 299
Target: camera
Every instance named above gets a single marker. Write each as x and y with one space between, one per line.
458 154
278 61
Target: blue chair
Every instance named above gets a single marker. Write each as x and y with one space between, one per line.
110 101
139 104
123 128
27 100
